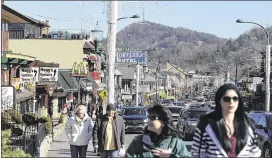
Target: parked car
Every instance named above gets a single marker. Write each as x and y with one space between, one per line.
166 102
175 110
179 103
135 118
188 121
263 124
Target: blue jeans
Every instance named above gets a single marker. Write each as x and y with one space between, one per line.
78 150
110 153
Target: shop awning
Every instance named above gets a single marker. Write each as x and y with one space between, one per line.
86 82
25 95
66 82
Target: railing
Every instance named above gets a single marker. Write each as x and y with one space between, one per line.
23 136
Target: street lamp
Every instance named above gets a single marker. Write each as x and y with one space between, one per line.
97 34
267 74
131 17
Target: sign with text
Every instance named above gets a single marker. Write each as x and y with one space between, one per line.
29 74
144 88
7 97
48 74
132 57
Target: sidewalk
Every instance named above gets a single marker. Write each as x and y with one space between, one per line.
60 147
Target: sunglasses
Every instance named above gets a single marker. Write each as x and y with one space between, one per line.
153 117
227 99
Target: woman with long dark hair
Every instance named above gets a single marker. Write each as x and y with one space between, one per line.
160 139
227 131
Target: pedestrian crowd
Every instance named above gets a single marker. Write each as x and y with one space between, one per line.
225 132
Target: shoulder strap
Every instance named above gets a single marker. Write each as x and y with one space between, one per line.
170 142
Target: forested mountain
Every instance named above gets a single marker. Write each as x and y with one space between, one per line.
190 49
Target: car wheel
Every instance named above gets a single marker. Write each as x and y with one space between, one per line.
267 151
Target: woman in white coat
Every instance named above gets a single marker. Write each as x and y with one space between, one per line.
79 131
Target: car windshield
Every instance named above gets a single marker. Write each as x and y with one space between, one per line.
269 123
196 114
134 112
174 110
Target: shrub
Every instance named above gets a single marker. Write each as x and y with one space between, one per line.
6 150
30 119
63 118
48 124
6 117
15 115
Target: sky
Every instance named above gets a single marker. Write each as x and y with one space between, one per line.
217 18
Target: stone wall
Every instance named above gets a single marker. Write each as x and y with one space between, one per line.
45 145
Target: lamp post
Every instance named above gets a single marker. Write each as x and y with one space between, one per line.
267 74
50 92
111 47
97 35
157 71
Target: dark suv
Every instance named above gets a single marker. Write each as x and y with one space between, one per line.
188 121
135 118
263 124
175 110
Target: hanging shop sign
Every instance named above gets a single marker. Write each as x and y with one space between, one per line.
48 74
29 74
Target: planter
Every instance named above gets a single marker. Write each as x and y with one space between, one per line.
63 119
30 119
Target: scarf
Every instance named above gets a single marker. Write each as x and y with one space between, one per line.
150 139
79 120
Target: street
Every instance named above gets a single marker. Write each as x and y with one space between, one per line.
60 146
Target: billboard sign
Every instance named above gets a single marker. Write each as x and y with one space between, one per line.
29 74
48 74
132 57
8 97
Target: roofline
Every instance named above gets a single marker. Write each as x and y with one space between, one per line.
26 18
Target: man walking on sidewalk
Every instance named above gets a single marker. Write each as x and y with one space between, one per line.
109 133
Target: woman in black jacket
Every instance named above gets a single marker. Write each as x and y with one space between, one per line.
226 132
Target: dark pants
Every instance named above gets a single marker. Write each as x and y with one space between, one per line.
78 150
110 154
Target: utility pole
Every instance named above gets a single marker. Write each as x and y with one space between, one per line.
267 77
236 71
111 47
137 83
